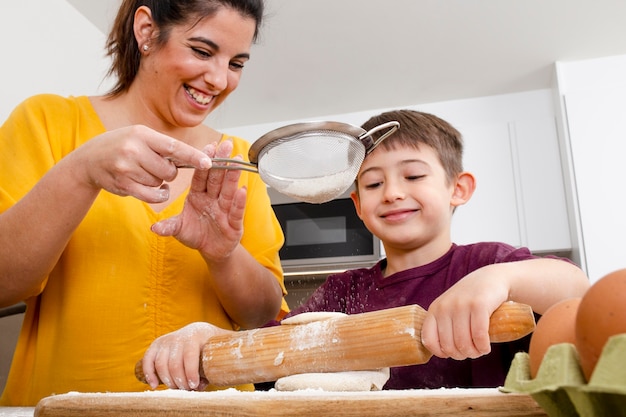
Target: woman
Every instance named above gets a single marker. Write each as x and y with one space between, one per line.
103 274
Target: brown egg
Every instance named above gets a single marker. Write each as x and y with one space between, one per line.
601 314
556 325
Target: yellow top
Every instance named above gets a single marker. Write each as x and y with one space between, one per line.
117 286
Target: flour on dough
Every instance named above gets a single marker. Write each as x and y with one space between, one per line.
312 316
335 381
331 381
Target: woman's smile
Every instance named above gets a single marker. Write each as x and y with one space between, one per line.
198 96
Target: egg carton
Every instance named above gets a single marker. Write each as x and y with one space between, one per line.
560 387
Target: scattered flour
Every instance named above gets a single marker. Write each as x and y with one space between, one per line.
17 411
273 393
309 336
279 358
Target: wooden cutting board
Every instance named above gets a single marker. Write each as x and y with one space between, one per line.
442 402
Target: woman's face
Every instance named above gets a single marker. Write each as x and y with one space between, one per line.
197 68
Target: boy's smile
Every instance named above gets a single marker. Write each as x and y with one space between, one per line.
397 215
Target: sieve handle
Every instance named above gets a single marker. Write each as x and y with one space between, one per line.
369 143
237 164
232 164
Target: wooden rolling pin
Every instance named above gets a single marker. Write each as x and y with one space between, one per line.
378 339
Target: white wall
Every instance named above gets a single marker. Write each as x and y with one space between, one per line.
48 47
592 96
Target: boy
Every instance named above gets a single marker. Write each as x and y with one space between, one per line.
406 192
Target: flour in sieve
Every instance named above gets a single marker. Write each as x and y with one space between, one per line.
317 189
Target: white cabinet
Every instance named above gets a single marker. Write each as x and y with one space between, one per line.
492 213
540 178
520 196
595 121
593 99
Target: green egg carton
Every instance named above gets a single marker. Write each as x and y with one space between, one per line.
560 387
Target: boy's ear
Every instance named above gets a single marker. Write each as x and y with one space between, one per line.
463 189
357 203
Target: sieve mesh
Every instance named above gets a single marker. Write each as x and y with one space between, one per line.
314 166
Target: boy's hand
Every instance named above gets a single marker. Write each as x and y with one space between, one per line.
457 323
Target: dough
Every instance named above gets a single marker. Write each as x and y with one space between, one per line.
335 381
312 316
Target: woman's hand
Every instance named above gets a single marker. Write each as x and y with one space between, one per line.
212 219
174 358
135 161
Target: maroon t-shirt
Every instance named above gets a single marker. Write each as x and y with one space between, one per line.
362 290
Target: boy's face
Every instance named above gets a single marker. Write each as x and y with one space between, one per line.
404 197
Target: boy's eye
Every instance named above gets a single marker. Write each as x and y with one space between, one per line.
414 177
372 185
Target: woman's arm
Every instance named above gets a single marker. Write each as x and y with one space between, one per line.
130 161
34 232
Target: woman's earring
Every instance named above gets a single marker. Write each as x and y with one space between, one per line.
145 47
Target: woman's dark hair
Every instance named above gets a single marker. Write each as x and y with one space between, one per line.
122 46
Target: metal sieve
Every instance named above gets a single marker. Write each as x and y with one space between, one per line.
312 162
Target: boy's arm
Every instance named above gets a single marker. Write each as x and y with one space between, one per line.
542 282
458 320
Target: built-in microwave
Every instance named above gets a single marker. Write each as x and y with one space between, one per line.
323 238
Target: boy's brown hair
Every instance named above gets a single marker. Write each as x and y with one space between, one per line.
418 128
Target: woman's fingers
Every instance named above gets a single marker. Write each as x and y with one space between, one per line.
176 151
215 179
136 161
149 370
191 363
